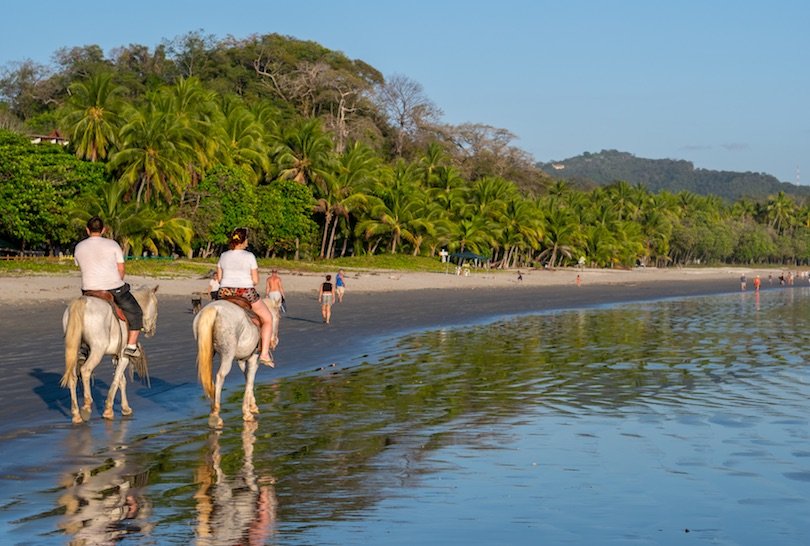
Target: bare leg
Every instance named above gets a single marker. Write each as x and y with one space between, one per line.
267 329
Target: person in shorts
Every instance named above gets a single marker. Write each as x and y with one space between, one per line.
238 275
340 286
326 297
101 261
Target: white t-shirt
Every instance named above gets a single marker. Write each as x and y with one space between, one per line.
236 266
98 258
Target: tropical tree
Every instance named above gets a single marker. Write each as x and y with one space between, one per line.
304 154
243 139
154 155
92 116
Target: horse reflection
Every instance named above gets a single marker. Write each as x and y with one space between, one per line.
234 510
102 501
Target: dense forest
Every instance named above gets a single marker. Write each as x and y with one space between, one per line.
322 156
600 169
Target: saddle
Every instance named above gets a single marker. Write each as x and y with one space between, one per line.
245 305
106 296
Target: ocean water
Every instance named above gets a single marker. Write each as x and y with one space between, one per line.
669 422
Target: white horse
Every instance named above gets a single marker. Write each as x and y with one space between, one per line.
91 320
225 328
236 509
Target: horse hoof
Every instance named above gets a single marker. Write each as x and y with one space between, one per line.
108 414
126 411
248 417
215 422
77 420
85 415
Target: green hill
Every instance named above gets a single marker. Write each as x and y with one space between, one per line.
673 175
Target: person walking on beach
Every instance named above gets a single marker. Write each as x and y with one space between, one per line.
274 289
340 286
326 297
238 275
757 283
743 283
101 261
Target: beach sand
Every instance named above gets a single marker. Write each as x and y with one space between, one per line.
378 306
22 291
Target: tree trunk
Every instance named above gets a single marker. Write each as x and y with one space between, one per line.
326 222
330 248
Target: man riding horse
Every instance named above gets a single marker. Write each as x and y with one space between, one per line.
101 261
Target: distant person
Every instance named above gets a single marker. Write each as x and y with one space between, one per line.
238 275
757 282
782 279
579 280
340 286
743 282
274 288
101 261
326 297
520 276
770 278
213 288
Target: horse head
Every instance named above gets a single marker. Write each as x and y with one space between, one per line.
147 298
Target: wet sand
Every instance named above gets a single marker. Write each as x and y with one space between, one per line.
31 339
35 428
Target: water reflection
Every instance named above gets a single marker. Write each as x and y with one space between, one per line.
237 509
717 381
102 502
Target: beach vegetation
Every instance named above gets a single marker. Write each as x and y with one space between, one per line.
325 159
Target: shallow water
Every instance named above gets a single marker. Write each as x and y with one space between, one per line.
666 422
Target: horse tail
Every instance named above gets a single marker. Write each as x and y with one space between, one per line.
205 348
73 339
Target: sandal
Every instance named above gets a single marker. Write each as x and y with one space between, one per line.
267 362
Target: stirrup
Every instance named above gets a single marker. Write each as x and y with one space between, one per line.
132 351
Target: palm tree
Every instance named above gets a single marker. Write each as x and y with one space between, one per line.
393 216
305 154
559 234
92 116
135 227
243 139
154 154
356 170
474 234
780 211
521 229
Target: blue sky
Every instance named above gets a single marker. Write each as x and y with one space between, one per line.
724 84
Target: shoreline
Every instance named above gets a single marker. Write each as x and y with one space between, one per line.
377 310
35 429
26 290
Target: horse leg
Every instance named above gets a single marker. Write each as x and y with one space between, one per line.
226 362
125 408
118 380
76 416
93 360
249 407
